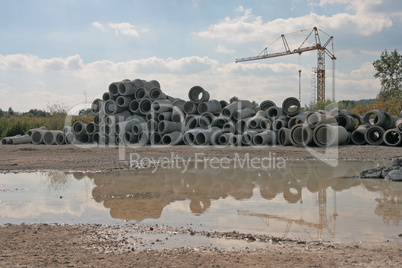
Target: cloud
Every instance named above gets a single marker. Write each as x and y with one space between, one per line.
123 28
223 49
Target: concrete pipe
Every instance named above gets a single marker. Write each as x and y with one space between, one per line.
29 132
148 85
212 106
123 101
243 113
234 106
20 140
114 88
86 138
327 135
102 129
314 119
152 125
223 104
96 106
222 120
151 115
99 120
155 138
8 140
274 113
111 107
190 107
224 139
145 106
301 135
107 96
172 138
91 128
254 122
392 137
242 124
69 138
161 106
346 121
208 136
178 115
229 127
129 138
358 119
284 137
79 128
67 129
297 119
189 136
109 130
380 118
165 116
357 136
113 119
169 126
137 128
267 137
280 123
179 103
208 120
291 106
134 106
142 93
49 137
374 135
127 88
143 138
247 137
266 123
266 104
398 125
127 125
192 121
157 94
235 140
198 94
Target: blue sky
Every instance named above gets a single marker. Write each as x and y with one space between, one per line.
58 52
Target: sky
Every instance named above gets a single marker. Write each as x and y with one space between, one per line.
68 52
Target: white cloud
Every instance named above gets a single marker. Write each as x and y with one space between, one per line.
222 49
123 28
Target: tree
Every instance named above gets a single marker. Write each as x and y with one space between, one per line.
10 111
1 113
389 71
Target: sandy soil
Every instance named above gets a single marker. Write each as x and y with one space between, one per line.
55 245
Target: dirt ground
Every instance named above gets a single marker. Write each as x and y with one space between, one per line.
55 245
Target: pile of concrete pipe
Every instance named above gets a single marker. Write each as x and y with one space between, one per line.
137 112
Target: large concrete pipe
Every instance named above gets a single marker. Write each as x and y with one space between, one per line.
109 130
151 115
169 126
392 137
155 138
143 138
208 136
129 138
91 128
111 107
313 119
68 129
234 106
177 115
223 104
128 124
212 106
7 140
86 138
380 118
124 101
301 135
247 136
267 137
157 94
29 132
179 103
152 125
79 128
225 138
172 138
161 106
145 106
192 121
134 106
127 88
243 113
49 137
291 106
242 124
208 120
357 136
374 135
137 128
266 123
20 139
284 137
61 138
114 88
327 135
297 119
141 93
198 94
398 125
112 119
266 104
107 96
346 121
165 116
222 120
189 136
190 107
99 120
229 127
254 122
96 106
69 138
280 122
274 113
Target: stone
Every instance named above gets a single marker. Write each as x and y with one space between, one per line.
394 175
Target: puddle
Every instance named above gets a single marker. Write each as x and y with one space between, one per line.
307 200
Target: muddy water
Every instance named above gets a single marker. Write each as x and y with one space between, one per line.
308 200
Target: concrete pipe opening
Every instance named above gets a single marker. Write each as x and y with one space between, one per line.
141 93
224 139
291 106
192 121
173 138
198 94
374 135
398 125
212 106
274 112
190 107
161 106
392 137
165 116
49 138
86 138
265 123
357 136
134 106
375 118
123 101
229 127
79 128
296 135
107 96
114 88
265 105
284 137
91 128
37 136
129 137
138 128
222 120
177 115
143 137
111 107
346 121
156 93
145 106
189 137
96 106
155 138
60 139
152 125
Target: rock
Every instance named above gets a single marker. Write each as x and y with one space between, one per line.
372 173
394 175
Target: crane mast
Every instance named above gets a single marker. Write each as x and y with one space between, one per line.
322 50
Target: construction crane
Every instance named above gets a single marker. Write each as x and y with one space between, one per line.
321 51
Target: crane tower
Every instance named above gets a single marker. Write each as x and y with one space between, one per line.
321 51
